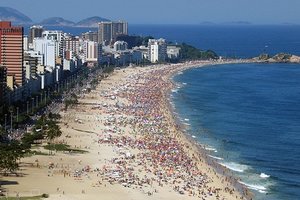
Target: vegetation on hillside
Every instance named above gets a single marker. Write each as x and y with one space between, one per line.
134 41
189 52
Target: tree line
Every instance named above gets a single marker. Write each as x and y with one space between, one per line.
11 150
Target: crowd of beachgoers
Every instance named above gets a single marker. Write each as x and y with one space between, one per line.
129 114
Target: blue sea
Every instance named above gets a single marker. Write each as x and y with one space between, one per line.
247 115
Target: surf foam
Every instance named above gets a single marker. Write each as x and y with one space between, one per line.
235 166
263 175
259 188
215 157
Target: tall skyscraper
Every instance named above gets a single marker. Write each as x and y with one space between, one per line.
104 32
35 32
108 31
119 28
11 51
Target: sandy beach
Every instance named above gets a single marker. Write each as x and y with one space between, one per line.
135 149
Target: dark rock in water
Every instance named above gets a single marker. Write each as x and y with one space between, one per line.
282 57
264 56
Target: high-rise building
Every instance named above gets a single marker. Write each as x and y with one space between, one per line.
47 48
11 52
90 36
91 50
37 55
2 83
108 31
119 28
35 32
92 53
58 37
71 44
30 64
157 50
104 32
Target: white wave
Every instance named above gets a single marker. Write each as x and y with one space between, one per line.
210 149
179 73
262 191
174 91
215 157
235 166
259 188
187 124
193 136
184 83
263 175
186 119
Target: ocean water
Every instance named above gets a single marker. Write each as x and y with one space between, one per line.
248 116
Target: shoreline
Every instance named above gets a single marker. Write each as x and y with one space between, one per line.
119 132
201 148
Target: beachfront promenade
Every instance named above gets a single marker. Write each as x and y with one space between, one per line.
135 148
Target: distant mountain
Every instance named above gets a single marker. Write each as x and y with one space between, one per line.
237 23
91 21
207 23
57 21
288 24
16 17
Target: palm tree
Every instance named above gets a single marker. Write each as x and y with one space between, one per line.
52 133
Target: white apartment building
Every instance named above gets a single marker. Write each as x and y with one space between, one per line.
120 46
36 54
157 50
92 51
47 48
25 43
58 37
173 52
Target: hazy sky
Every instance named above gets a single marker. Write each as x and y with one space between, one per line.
163 11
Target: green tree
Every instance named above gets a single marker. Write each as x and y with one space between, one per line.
53 132
10 153
192 53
